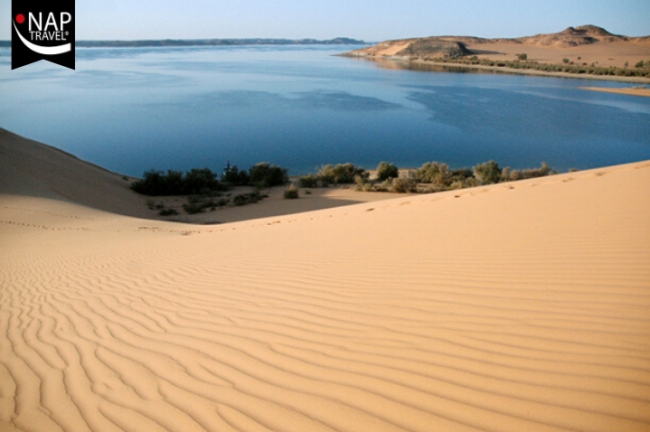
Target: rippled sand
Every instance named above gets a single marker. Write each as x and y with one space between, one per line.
514 307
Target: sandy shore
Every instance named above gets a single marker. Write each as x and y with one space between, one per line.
508 70
634 91
514 307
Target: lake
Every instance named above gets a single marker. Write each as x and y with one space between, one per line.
132 109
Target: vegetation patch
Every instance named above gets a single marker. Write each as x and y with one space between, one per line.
168 212
159 183
386 170
204 190
438 177
200 203
265 175
248 198
641 68
291 193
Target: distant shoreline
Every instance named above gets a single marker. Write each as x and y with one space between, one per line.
635 91
588 52
533 72
205 42
397 60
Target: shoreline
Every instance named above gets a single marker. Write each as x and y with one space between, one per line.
505 70
633 91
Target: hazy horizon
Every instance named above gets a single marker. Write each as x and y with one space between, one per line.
366 20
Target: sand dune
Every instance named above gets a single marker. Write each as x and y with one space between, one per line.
34 169
514 307
585 45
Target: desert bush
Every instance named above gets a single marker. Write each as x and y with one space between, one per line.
363 184
522 57
247 198
639 64
157 183
513 175
340 174
403 185
199 203
435 173
386 170
308 181
168 212
266 175
233 176
543 171
195 181
291 193
487 172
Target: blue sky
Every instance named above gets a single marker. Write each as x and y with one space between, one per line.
362 19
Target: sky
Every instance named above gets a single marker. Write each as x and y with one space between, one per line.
372 21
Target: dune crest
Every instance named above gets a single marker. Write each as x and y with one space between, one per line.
515 307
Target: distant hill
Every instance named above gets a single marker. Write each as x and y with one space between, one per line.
457 46
207 42
572 37
431 46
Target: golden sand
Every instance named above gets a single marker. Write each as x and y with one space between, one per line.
513 307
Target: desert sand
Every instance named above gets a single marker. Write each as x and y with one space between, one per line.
631 91
513 307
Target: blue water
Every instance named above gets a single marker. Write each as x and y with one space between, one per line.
133 109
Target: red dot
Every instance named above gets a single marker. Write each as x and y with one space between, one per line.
20 18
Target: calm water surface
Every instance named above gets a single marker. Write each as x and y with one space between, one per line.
300 107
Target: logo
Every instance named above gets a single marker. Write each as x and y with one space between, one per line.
42 31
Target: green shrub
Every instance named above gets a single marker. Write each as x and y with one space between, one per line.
514 175
543 171
198 203
308 181
386 170
403 185
487 172
435 173
291 193
195 181
266 175
198 181
157 183
340 174
247 198
233 176
168 212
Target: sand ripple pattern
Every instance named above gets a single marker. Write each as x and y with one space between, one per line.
428 313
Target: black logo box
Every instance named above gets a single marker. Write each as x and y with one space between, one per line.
42 30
